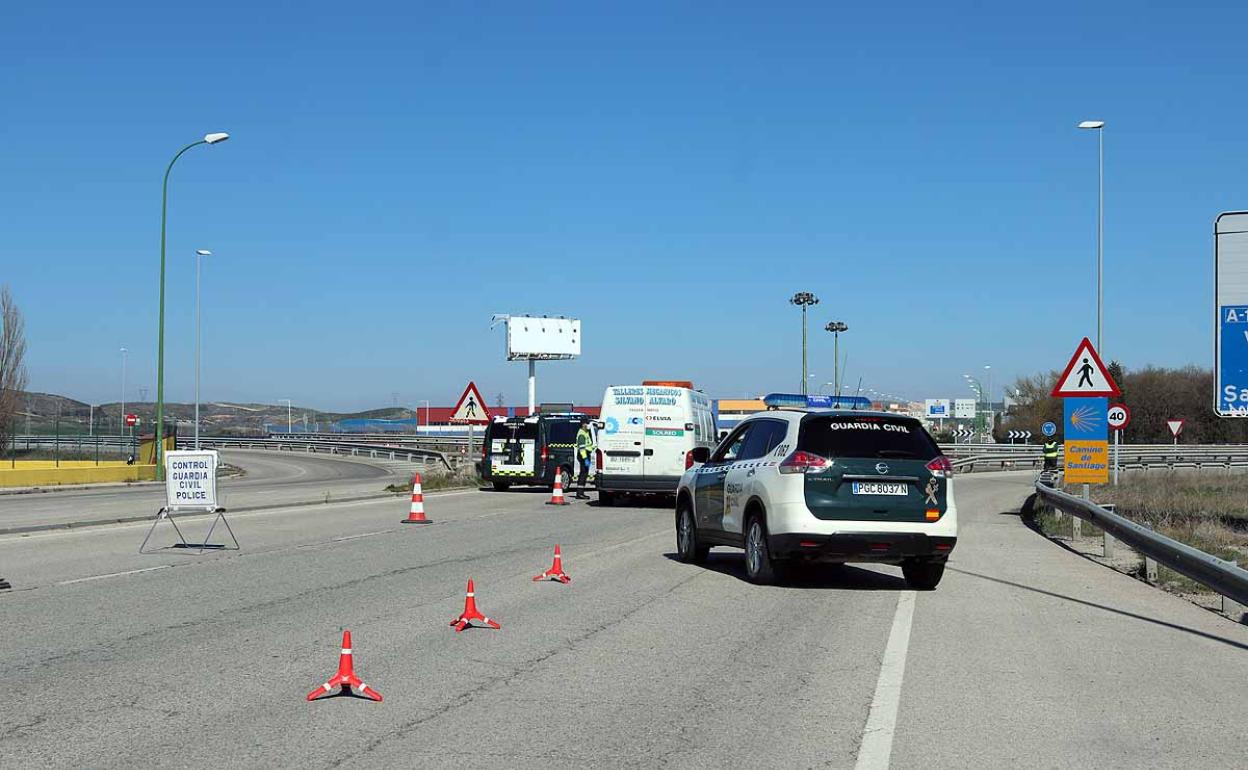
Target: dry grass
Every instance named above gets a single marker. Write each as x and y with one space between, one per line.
430 482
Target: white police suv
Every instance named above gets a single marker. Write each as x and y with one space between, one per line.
820 479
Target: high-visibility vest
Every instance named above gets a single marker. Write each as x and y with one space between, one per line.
584 442
1050 450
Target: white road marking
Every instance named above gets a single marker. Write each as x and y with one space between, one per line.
112 575
357 537
877 737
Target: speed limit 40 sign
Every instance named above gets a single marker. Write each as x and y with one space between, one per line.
1119 416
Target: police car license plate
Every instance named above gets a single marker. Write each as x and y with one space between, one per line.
880 488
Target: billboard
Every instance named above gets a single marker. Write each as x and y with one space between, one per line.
1230 305
938 408
538 338
964 408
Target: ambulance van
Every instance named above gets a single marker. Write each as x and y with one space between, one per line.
646 436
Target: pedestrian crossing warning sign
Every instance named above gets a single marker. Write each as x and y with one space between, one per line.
1085 375
471 409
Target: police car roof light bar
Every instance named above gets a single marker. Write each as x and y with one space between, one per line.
800 401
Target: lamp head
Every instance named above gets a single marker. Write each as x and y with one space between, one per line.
1092 124
216 138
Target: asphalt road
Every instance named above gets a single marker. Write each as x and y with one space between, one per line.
1027 655
271 478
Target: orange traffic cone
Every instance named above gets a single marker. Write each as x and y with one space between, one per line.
417 514
556 495
556 570
471 612
345 678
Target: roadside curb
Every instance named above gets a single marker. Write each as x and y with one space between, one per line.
148 517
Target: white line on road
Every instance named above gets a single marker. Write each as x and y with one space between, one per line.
112 575
877 736
357 537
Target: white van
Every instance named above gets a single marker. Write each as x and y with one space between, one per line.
646 434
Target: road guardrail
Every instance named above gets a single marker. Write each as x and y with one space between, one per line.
1221 576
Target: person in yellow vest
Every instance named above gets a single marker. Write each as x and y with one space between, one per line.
1050 454
584 457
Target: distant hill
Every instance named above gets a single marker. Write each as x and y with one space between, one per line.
42 412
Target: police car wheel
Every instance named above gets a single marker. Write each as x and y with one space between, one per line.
922 576
759 568
688 548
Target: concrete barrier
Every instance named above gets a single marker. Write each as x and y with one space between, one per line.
45 473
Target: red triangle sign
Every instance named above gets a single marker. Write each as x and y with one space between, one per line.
471 408
1085 375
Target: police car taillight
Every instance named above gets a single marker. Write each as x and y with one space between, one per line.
803 462
941 468
545 453
689 459
598 458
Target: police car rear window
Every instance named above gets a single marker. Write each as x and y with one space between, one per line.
508 431
866 436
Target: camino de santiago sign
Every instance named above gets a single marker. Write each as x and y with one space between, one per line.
1085 388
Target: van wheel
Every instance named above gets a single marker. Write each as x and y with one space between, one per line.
501 486
759 567
565 479
688 548
923 575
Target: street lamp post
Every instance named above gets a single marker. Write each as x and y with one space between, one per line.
1099 127
836 327
121 425
199 258
289 422
804 299
160 337
425 401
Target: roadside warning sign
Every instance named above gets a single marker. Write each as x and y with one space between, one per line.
1085 375
471 409
1175 426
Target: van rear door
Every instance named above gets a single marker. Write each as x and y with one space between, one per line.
668 433
623 433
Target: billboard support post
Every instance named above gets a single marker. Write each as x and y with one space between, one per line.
532 385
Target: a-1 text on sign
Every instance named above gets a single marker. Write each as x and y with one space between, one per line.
1086 431
191 480
471 409
1175 426
1119 416
1230 304
1085 375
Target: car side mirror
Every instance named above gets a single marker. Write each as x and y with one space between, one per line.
600 425
701 454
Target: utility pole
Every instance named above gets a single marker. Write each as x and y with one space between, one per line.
804 299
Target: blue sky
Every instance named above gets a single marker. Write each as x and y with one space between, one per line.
668 172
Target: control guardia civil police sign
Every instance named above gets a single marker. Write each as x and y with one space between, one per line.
191 480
